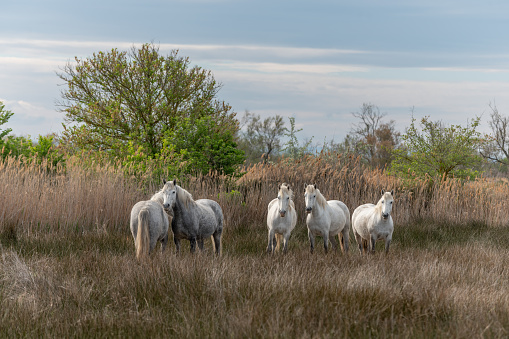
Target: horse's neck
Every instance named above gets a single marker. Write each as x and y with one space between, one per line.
291 205
319 208
378 208
181 209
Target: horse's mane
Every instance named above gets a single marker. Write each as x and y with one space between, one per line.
321 199
185 197
158 196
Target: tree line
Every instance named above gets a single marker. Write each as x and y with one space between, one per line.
142 108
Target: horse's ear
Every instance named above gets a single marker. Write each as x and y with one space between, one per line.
305 186
164 181
175 182
382 192
288 186
314 185
392 192
278 187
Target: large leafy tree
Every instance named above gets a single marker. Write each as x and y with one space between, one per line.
122 100
438 151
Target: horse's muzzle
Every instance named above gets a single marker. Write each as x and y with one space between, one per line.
385 216
308 210
282 213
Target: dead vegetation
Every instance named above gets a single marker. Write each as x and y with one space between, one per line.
68 266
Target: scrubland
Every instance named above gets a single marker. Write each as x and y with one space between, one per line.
68 267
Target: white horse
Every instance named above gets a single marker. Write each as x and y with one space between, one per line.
373 222
149 224
281 218
327 219
193 220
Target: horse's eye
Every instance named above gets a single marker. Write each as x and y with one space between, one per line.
314 196
279 197
287 198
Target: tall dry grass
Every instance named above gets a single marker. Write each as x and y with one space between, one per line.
68 267
482 200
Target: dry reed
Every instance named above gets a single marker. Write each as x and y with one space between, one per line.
68 267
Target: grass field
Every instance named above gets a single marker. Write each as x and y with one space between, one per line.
71 271
437 281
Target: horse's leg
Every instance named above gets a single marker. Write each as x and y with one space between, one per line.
311 237
373 243
387 244
272 241
200 243
217 242
164 242
325 236
365 245
334 243
177 244
359 241
345 240
192 240
286 239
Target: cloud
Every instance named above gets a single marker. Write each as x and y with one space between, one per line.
320 87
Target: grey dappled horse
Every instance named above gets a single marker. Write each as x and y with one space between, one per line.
193 220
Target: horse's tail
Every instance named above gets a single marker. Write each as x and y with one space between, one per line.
216 239
279 237
142 237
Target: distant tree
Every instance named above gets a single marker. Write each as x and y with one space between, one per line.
438 151
292 148
122 102
13 146
261 139
371 138
495 146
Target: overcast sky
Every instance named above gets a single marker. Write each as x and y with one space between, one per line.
317 61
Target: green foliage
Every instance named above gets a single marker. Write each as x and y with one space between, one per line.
203 146
5 115
128 104
438 151
17 147
43 149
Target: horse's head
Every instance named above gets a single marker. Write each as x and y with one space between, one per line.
310 197
387 200
284 195
169 193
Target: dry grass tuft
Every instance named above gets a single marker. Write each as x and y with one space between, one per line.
68 267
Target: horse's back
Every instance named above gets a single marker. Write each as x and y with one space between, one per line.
340 215
210 211
158 220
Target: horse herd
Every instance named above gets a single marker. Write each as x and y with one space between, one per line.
195 220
